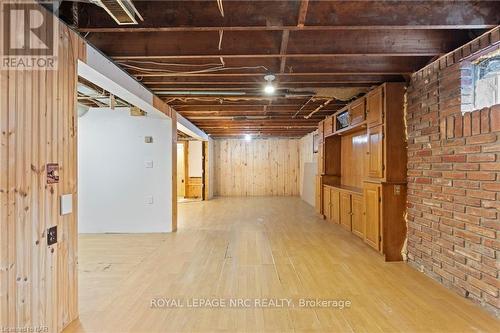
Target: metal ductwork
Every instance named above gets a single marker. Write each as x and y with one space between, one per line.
122 11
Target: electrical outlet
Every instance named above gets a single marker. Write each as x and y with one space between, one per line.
52 235
148 139
148 164
149 199
397 189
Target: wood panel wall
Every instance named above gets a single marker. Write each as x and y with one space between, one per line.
38 283
38 125
261 167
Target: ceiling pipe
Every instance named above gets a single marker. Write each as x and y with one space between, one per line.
202 93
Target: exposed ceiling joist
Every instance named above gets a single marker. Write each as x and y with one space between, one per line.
304 4
308 45
292 28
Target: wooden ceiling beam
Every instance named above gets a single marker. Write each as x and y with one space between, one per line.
304 4
289 28
221 74
298 55
283 48
276 44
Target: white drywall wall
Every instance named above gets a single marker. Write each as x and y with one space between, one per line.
195 159
308 169
114 184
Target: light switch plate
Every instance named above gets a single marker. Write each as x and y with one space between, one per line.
148 164
66 204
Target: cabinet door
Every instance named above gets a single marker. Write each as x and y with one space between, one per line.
321 131
345 210
376 152
335 206
358 221
318 195
321 159
374 107
357 112
326 202
372 215
328 126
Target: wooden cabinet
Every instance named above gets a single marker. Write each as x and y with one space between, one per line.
326 202
372 215
376 152
357 216
364 160
318 195
331 204
335 206
357 112
375 107
345 210
321 131
351 212
321 158
328 126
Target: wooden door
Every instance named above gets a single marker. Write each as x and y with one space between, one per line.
375 107
357 112
335 206
357 217
345 210
376 152
326 203
372 215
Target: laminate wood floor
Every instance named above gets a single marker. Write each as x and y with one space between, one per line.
258 249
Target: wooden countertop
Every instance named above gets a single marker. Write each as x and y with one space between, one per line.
351 189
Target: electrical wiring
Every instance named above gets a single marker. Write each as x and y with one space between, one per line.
207 70
221 7
166 63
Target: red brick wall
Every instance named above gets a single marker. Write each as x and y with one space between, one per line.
454 184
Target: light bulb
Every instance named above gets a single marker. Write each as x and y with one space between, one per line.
248 137
269 89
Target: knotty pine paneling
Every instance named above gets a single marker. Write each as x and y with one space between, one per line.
38 283
261 167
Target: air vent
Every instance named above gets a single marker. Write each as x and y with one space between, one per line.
240 118
122 11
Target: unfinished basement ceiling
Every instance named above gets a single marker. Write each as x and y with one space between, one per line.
208 58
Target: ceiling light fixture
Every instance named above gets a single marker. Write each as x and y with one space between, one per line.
269 88
248 137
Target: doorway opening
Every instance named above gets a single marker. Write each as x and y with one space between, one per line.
192 176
